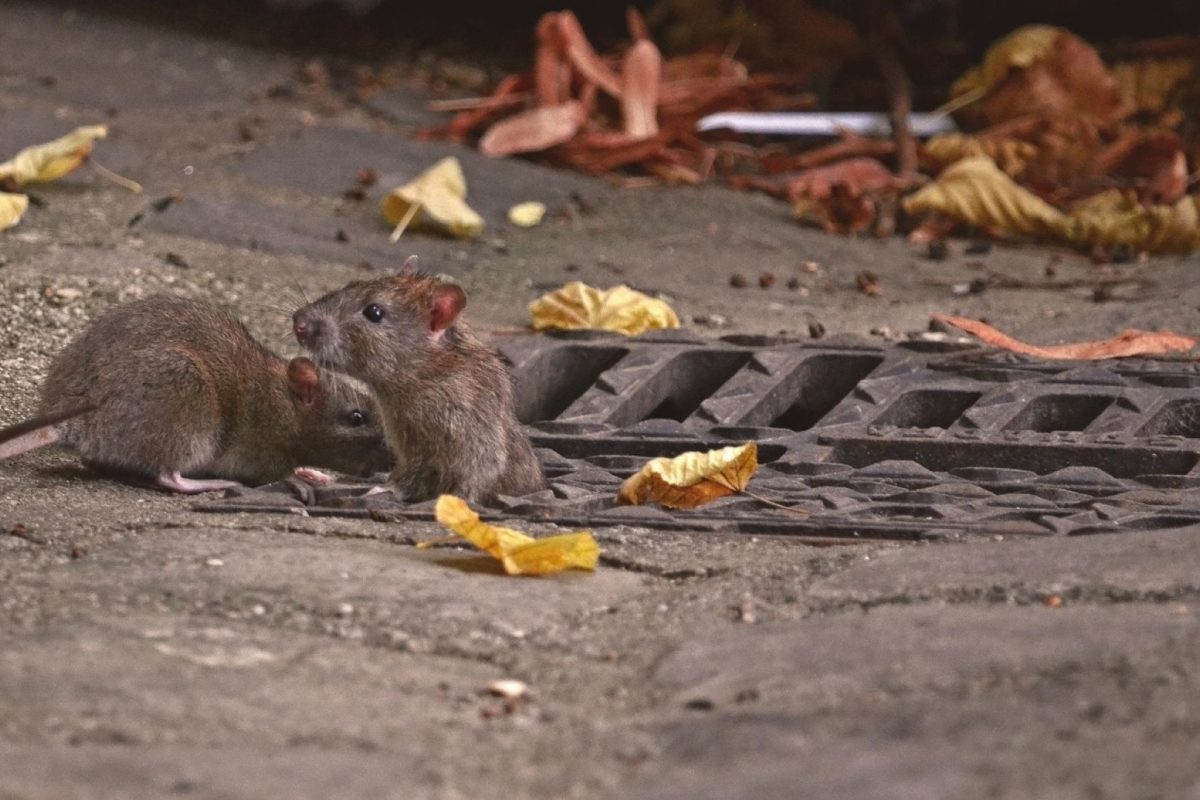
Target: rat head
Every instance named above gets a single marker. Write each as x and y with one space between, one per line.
340 427
381 327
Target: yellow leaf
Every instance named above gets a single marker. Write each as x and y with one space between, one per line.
1113 219
1010 155
12 208
47 162
691 479
1149 85
1018 50
975 191
578 306
526 215
436 199
521 554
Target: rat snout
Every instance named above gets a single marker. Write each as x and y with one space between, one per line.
307 329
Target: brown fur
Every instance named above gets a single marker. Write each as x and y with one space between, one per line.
179 385
446 398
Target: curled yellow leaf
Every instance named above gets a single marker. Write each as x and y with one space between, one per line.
436 199
1114 219
50 161
519 553
12 208
1010 155
977 192
527 215
974 190
579 306
691 479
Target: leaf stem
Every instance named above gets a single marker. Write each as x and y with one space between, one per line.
804 512
119 180
403 223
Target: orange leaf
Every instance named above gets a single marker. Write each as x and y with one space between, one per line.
1126 343
533 130
641 74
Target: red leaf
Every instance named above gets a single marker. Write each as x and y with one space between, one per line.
1126 343
856 176
534 130
641 74
551 76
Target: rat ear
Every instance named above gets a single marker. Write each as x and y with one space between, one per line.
304 381
411 266
445 304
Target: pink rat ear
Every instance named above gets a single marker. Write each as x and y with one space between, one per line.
447 301
411 266
304 381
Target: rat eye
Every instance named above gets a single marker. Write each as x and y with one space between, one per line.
356 419
373 313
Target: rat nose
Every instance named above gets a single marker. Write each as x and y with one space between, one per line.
306 330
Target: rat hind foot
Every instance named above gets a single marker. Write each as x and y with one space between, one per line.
175 482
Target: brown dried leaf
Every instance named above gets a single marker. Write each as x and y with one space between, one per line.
691 479
534 130
1127 343
1149 85
1040 69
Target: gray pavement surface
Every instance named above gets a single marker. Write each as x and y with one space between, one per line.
147 650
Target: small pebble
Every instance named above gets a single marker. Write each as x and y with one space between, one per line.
811 267
214 562
937 250
793 283
345 609
978 247
816 330
766 280
738 281
509 689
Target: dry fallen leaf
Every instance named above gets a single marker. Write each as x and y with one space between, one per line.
527 215
1113 219
641 76
534 130
1126 343
691 479
12 208
975 191
579 306
520 554
1010 154
436 199
1149 85
1040 69
50 161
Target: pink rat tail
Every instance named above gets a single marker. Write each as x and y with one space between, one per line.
37 432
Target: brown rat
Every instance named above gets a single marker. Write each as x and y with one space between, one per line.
446 398
180 387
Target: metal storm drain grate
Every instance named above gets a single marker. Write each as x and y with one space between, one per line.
918 441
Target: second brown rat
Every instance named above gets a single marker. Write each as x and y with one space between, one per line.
446 398
178 387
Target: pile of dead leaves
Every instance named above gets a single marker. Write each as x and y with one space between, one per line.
598 114
1070 149
1062 146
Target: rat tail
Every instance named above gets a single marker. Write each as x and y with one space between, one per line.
37 432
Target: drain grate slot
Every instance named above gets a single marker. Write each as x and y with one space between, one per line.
1060 412
559 377
818 385
928 409
677 390
1178 418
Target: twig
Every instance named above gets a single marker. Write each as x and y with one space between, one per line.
956 103
803 512
403 223
119 180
